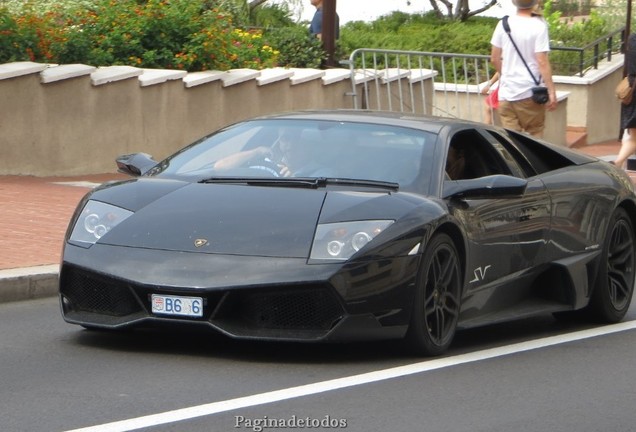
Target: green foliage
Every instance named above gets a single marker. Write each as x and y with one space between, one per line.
274 16
427 33
297 48
186 34
9 36
419 32
614 13
223 34
565 32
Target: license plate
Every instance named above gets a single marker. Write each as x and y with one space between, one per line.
177 305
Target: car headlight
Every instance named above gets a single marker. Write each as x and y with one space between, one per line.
95 220
339 241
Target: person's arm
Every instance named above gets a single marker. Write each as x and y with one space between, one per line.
545 68
495 58
238 159
630 56
490 82
316 24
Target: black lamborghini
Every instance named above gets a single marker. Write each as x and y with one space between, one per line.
349 225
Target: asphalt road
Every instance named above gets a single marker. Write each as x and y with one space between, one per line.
532 375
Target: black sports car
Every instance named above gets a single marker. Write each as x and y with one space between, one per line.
346 225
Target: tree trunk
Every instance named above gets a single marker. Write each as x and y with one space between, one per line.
255 3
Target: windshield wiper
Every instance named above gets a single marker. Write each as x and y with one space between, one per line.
359 182
259 181
306 182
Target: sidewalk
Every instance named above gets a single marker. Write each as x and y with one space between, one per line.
34 214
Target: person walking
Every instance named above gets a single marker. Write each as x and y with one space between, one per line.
315 27
523 66
628 112
492 98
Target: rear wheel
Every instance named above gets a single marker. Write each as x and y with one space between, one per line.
437 300
615 281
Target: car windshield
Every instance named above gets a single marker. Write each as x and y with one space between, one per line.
275 148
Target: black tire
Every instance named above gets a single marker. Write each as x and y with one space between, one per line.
437 299
614 285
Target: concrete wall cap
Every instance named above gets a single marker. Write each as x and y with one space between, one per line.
158 76
194 79
238 76
305 75
418 75
62 72
365 75
475 89
269 76
394 74
16 69
107 74
592 76
335 75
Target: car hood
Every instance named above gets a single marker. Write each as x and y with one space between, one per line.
236 219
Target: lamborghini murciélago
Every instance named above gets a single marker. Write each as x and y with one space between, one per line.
349 225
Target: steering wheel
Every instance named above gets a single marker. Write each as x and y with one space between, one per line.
267 166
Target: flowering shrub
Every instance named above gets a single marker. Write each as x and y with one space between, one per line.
184 34
226 48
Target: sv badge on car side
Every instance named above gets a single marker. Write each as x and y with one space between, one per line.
480 274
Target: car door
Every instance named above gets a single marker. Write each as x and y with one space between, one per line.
506 235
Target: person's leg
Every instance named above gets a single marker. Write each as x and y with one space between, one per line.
508 115
487 114
531 117
628 147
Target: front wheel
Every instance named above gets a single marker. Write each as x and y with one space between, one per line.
437 300
614 286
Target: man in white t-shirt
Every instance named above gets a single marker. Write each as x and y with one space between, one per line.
529 31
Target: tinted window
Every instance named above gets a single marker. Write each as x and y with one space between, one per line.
471 156
304 148
541 158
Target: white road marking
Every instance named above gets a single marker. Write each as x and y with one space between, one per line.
351 381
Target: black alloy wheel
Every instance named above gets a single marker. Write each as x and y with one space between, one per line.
615 281
437 301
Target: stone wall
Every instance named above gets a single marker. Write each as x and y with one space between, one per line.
76 119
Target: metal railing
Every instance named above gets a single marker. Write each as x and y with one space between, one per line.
411 81
571 61
408 81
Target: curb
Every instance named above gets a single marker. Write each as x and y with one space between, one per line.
28 283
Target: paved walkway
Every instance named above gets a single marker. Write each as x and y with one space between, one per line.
34 214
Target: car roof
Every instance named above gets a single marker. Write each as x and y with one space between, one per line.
422 122
428 123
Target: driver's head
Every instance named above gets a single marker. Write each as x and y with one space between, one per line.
294 149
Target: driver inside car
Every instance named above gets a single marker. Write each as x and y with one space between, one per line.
290 156
298 156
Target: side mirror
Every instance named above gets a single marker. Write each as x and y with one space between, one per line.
495 186
135 164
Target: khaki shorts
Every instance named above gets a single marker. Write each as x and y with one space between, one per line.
522 115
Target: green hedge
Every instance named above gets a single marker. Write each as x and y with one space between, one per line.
206 34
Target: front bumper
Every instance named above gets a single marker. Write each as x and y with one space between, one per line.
244 297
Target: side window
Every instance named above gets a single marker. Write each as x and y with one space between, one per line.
470 156
516 161
532 156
